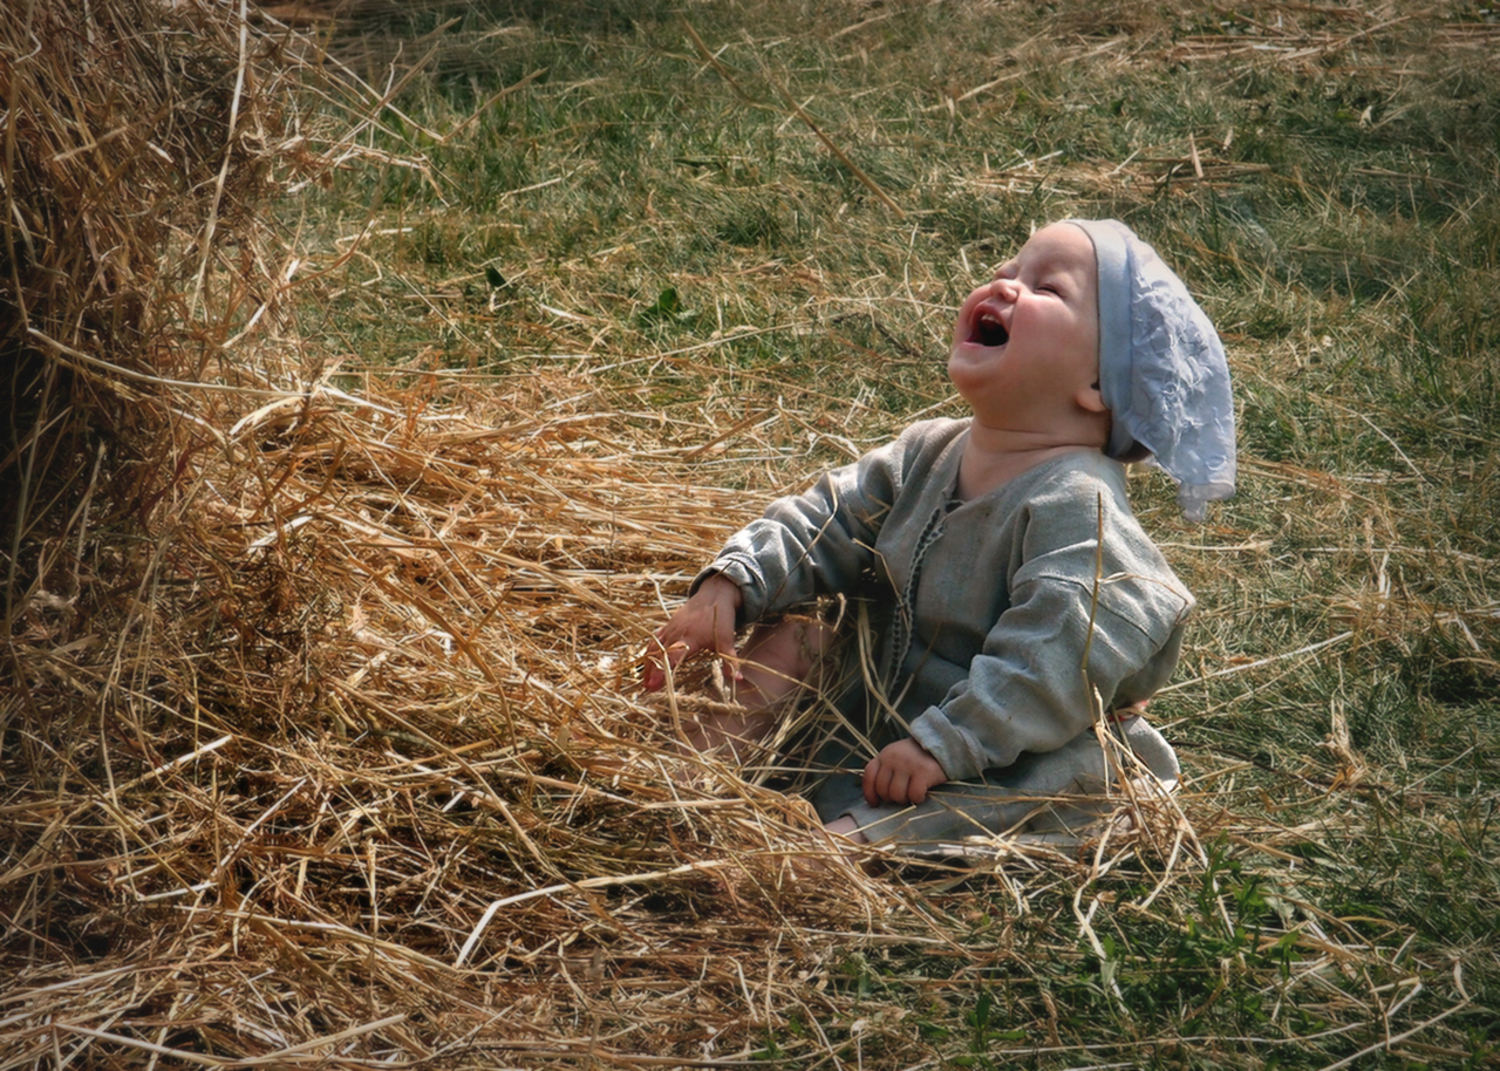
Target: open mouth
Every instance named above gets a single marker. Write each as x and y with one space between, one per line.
989 331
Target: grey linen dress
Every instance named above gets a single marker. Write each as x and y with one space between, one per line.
988 609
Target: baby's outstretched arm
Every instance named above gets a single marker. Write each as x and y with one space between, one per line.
704 623
901 773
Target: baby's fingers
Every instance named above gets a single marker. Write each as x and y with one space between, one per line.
724 647
867 781
660 658
871 784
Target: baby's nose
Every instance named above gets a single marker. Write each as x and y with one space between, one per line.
1004 288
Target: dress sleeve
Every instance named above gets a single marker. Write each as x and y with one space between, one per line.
818 542
1031 686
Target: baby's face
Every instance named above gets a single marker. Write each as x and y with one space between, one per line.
1030 336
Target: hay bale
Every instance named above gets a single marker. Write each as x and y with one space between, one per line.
136 150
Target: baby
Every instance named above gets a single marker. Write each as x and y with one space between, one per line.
1016 594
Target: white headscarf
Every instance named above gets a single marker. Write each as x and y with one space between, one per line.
1162 370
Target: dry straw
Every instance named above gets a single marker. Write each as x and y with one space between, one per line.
318 739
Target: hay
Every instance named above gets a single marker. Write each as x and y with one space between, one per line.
357 783
136 145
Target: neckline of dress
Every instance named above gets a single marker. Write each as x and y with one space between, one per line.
953 501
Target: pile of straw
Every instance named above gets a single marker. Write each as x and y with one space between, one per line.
137 143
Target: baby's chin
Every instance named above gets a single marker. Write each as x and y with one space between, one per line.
970 365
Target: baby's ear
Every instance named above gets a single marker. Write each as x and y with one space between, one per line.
1091 398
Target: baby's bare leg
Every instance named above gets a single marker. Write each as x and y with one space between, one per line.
780 663
847 827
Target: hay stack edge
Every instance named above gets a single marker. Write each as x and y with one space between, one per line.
314 738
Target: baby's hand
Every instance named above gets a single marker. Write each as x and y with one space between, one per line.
704 623
901 773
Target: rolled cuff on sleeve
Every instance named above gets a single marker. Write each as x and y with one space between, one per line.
739 570
956 749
